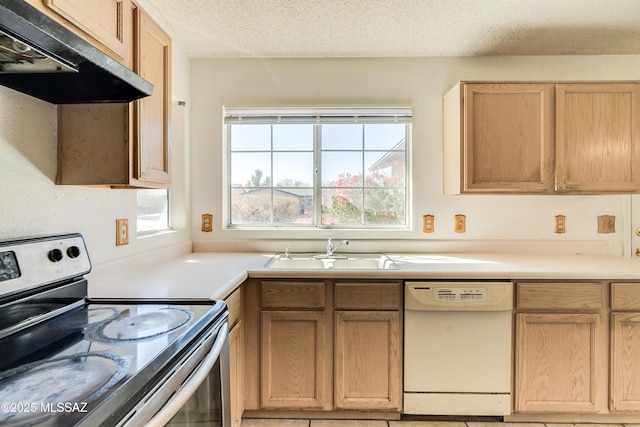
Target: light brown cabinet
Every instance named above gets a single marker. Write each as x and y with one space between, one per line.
107 24
325 345
625 347
597 137
367 371
123 145
560 351
499 138
541 138
293 360
294 357
236 356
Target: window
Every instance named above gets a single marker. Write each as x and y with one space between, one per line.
318 167
153 210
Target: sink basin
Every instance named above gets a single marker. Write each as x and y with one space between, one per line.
308 261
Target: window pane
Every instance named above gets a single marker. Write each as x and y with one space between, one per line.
251 206
342 137
293 207
250 169
293 137
384 206
384 136
385 169
341 169
293 169
153 210
250 137
341 206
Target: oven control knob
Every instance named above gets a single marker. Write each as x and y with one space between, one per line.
73 251
55 255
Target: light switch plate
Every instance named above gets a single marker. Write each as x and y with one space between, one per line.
460 225
606 224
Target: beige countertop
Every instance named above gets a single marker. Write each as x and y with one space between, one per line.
216 275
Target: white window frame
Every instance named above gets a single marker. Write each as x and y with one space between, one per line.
318 115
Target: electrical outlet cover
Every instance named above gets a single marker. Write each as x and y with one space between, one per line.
561 224
207 223
428 225
122 232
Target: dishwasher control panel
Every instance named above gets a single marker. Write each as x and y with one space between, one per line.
465 295
459 294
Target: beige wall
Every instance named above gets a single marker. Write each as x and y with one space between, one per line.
521 221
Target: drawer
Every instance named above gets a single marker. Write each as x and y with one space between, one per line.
560 296
367 296
293 295
234 304
625 296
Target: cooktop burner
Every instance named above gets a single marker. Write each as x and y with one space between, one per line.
140 326
78 378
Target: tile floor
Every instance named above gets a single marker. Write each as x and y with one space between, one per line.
377 423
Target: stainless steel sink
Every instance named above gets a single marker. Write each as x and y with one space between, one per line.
311 261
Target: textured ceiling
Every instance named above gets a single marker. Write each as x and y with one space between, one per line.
400 28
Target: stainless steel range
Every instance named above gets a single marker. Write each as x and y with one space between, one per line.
67 360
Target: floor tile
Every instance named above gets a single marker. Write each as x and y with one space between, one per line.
251 422
597 425
348 423
426 424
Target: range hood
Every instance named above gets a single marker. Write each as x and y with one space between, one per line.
40 57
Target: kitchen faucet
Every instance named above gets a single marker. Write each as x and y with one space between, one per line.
331 248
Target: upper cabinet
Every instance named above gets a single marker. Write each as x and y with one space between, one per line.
123 145
499 138
153 56
104 23
541 138
597 141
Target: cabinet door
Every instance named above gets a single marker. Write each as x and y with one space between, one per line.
107 21
598 147
236 372
625 362
559 363
153 53
367 360
294 355
508 138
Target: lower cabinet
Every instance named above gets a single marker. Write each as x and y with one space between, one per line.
326 345
293 360
236 356
625 347
367 368
557 362
561 342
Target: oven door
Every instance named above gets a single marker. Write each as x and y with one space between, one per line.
196 391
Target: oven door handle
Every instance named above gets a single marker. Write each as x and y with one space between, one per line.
171 408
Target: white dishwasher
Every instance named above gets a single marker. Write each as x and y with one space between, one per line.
457 348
